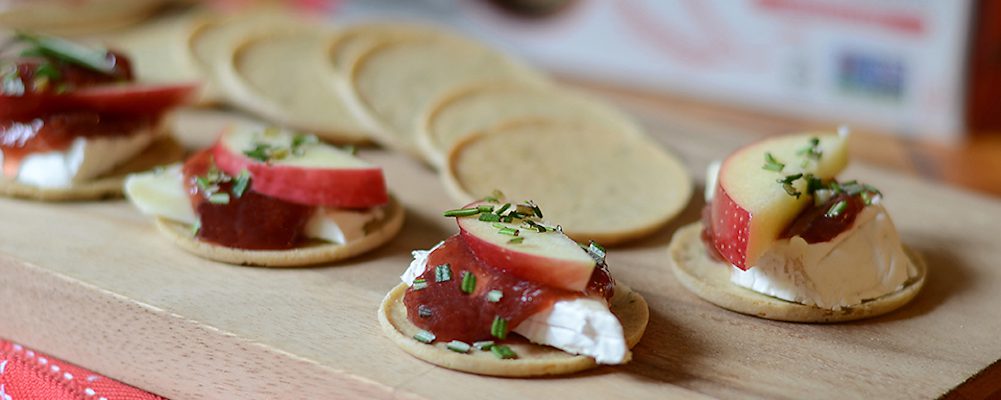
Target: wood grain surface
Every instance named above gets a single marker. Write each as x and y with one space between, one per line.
95 284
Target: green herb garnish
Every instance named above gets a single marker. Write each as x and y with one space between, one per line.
301 140
489 217
468 282
535 209
484 345
423 311
424 337
836 209
596 251
787 184
503 208
420 284
494 296
219 198
503 352
93 59
499 328
772 164
516 240
261 152
508 231
443 273
242 181
458 346
461 212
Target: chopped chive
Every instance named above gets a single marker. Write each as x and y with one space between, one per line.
835 187
772 164
871 188
790 178
867 198
535 225
516 240
423 311
596 251
508 231
499 226
494 296
791 190
836 209
219 198
499 328
202 183
503 352
535 209
442 273
485 209
92 59
468 282
242 181
461 212
813 184
261 152
424 337
484 345
420 284
507 219
517 215
196 227
503 208
489 217
458 346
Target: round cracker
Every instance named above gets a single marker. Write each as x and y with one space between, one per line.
306 255
601 186
477 108
213 42
396 81
710 280
353 41
163 151
306 94
533 359
76 17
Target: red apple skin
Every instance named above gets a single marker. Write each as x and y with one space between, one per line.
544 270
342 188
105 99
730 228
130 99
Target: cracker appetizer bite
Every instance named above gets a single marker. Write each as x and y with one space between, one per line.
270 198
74 122
782 238
511 295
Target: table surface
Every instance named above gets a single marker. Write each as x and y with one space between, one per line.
158 318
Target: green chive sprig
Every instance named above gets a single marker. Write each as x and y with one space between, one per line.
498 328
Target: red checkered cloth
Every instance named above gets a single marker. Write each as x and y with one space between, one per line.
26 374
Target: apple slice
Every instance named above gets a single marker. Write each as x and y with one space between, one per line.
550 258
105 99
750 209
127 99
299 169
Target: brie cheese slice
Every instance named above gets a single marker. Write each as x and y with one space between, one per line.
579 326
84 159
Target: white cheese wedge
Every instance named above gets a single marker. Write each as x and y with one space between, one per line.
84 159
161 193
862 263
579 326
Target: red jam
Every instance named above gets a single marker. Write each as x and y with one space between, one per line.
816 224
253 221
443 309
55 132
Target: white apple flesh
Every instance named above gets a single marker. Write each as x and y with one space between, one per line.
314 174
549 258
750 209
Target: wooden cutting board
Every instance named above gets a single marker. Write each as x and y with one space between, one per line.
95 284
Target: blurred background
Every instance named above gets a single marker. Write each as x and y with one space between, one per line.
925 72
